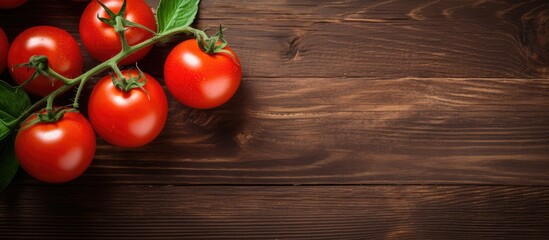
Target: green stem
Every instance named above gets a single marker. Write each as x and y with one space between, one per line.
49 103
117 71
82 79
78 92
120 29
40 102
62 78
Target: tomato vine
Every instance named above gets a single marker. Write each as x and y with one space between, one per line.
173 17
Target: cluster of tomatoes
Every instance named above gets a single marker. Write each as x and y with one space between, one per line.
61 150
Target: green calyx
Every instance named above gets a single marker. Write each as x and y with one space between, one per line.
126 84
214 44
47 116
52 115
37 62
117 20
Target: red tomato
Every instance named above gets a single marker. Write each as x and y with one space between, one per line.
62 50
200 80
4 46
9 4
56 152
128 119
100 39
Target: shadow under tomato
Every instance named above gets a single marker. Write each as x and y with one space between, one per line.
212 133
191 142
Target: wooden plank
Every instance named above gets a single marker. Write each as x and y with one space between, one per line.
334 93
306 212
355 38
348 131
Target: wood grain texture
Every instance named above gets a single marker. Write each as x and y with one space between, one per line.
359 212
288 128
404 38
315 131
382 113
355 38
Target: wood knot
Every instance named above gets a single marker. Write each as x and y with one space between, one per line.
293 47
534 35
202 118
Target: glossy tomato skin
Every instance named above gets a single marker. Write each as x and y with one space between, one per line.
128 119
9 4
4 46
100 39
62 50
56 152
200 80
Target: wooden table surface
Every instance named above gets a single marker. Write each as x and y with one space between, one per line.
355 119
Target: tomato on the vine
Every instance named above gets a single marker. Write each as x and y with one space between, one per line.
128 119
100 39
200 80
62 50
4 46
56 152
9 4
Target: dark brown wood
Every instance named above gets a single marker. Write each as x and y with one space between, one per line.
356 38
358 212
375 103
327 131
382 38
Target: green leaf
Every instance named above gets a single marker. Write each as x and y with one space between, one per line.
8 162
172 14
4 130
13 102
